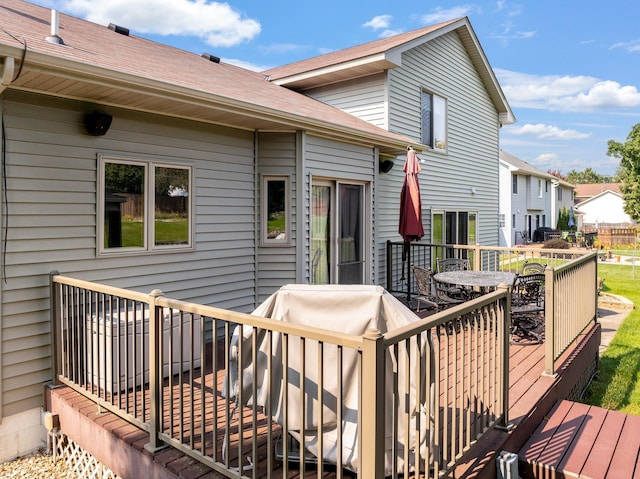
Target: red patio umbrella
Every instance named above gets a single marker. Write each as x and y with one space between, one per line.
410 203
410 224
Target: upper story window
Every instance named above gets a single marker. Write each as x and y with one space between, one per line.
514 184
144 206
540 188
276 227
434 121
559 193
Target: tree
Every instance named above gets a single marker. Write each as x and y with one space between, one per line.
587 176
558 174
629 155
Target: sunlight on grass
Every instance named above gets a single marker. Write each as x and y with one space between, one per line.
617 384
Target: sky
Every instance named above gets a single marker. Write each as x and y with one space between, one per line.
570 69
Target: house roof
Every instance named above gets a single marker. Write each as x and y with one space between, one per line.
386 53
596 197
517 165
98 65
590 190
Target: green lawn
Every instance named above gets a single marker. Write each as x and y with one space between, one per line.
167 232
617 384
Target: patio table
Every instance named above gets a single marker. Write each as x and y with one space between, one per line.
479 279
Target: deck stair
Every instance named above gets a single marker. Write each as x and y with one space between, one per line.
580 441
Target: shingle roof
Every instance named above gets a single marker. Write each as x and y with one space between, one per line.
530 170
593 189
352 53
97 64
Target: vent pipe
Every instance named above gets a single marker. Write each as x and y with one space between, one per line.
55 29
118 29
211 58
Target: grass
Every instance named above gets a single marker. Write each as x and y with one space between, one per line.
617 384
167 232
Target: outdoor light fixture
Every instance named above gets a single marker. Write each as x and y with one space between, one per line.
385 166
97 123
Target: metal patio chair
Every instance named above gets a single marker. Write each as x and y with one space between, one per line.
527 307
432 292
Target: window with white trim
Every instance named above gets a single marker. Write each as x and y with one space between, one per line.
276 222
144 205
434 121
539 188
514 184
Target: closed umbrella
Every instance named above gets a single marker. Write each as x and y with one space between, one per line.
410 223
571 222
410 227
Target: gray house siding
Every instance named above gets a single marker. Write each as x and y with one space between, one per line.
51 175
333 160
277 264
443 67
364 97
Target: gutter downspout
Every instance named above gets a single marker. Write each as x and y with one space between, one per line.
7 73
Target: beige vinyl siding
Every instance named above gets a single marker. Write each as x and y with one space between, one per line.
348 162
277 264
51 167
364 97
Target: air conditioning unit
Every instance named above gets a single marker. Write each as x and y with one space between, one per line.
507 465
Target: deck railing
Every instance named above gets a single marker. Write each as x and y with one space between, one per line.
424 394
570 285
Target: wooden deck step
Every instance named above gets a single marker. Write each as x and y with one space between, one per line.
580 441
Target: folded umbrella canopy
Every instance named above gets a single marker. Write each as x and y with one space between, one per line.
410 227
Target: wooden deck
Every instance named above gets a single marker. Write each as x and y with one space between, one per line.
120 445
581 441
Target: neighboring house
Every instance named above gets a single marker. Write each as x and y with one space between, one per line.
529 199
131 163
434 84
601 204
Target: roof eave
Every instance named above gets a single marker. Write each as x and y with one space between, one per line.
331 74
388 143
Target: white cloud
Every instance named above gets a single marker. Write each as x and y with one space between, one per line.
381 21
247 65
443 14
390 33
566 93
215 23
548 132
546 159
631 47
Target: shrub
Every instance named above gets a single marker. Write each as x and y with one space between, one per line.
556 243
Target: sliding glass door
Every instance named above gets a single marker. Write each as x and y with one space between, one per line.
337 233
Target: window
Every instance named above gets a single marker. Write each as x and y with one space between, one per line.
276 227
338 223
434 121
539 188
131 218
514 184
501 219
559 193
513 221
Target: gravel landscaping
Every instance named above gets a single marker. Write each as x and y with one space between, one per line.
38 465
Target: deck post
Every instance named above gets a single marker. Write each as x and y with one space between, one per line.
549 322
506 341
54 298
155 377
372 406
